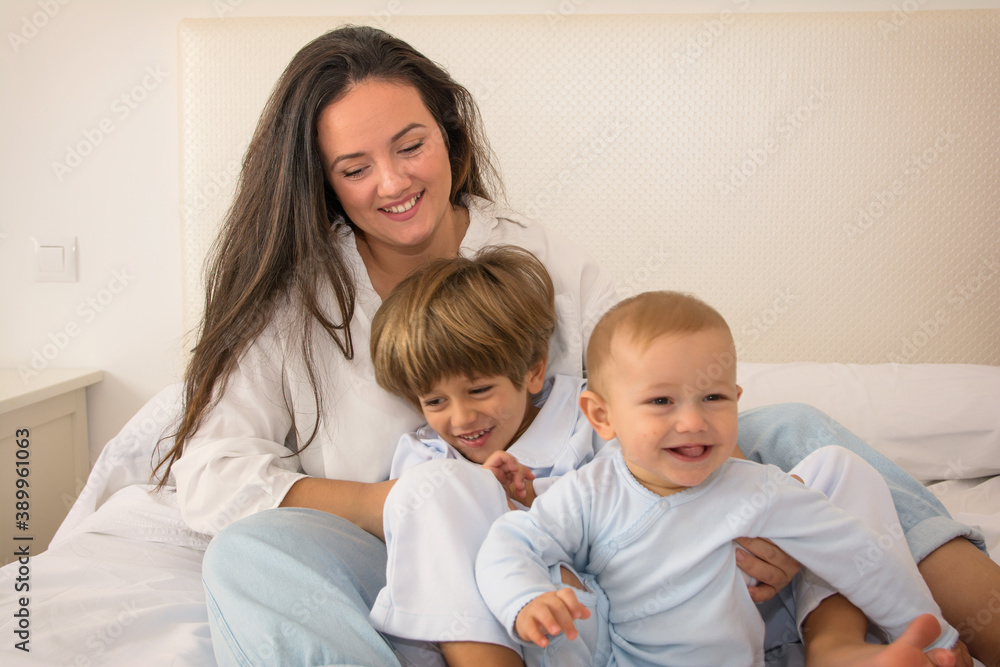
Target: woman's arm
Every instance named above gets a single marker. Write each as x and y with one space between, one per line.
238 463
358 502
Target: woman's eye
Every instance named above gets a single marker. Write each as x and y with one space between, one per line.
354 173
411 148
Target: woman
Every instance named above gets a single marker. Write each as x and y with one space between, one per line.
369 161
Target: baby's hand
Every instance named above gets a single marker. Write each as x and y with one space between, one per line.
549 614
509 472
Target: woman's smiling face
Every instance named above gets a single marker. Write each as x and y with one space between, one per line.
387 161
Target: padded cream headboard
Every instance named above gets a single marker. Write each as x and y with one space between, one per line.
828 181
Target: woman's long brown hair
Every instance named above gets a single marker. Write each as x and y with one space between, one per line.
277 238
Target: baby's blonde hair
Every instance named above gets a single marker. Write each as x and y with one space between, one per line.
490 315
643 318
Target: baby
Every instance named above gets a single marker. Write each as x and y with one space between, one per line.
650 529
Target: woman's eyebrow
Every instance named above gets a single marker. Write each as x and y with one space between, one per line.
406 129
395 137
341 158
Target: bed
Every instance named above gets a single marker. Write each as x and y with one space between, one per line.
828 181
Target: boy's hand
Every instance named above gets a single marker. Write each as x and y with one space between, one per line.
548 615
512 475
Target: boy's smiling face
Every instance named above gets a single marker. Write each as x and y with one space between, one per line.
479 416
672 406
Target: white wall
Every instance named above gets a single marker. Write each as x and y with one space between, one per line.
99 77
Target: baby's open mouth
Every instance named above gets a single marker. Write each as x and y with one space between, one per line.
689 451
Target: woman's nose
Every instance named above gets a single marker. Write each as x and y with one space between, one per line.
393 181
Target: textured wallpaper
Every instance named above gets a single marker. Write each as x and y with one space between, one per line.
828 181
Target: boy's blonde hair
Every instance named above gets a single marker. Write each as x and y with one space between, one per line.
490 315
643 318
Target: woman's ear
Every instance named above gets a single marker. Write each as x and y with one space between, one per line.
595 409
536 376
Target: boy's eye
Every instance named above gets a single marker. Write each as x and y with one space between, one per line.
430 402
481 390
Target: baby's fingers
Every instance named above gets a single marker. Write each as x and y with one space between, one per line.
533 625
546 615
573 606
562 618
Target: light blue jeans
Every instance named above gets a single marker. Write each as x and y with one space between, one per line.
783 435
294 586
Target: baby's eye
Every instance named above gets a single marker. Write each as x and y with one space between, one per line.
661 400
715 397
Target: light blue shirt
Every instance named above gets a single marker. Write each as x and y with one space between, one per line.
668 567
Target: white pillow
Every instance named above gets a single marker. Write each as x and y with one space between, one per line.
128 458
937 421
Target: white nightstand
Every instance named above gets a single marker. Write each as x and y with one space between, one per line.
52 407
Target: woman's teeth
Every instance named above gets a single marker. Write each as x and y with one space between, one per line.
403 208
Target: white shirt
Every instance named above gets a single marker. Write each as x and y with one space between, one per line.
238 464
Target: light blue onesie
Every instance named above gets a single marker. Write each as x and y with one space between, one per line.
667 564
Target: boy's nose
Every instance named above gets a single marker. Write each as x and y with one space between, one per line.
462 415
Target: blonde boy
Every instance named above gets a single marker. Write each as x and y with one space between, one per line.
654 524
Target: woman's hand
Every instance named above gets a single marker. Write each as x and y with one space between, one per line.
513 476
769 565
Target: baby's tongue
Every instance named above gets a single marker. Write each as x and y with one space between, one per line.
691 451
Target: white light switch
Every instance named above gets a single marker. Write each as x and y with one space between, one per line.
51 259
55 259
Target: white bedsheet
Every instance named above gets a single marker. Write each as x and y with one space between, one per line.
123 588
121 585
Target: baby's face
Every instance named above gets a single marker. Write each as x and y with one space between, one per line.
479 416
673 407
